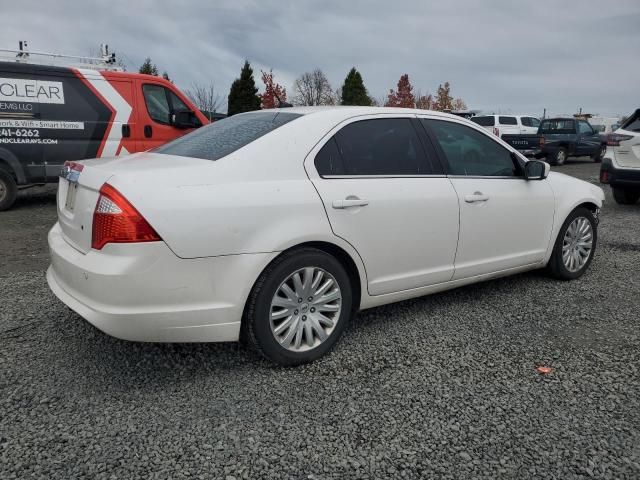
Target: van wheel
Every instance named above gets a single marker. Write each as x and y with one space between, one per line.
299 307
624 196
559 157
8 190
575 245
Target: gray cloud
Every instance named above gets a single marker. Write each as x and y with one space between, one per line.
498 55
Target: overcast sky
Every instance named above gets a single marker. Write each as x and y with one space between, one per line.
502 56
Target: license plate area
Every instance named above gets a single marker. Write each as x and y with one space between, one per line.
72 192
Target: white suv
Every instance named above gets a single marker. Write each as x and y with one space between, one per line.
508 124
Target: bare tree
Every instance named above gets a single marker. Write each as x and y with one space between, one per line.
313 88
205 97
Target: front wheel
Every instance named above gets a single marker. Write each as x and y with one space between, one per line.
624 196
597 157
575 245
8 190
299 307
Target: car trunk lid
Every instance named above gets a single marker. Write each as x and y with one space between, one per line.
80 183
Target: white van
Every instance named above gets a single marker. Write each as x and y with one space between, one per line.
508 124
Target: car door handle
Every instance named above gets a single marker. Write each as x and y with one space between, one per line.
350 202
476 197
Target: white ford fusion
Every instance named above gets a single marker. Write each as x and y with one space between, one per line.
276 226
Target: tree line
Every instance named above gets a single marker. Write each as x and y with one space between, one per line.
311 88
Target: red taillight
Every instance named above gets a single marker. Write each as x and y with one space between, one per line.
614 139
541 141
115 220
604 176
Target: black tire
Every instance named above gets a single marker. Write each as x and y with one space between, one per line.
625 196
256 328
597 157
559 157
556 266
8 190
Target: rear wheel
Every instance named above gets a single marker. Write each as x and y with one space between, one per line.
8 190
299 307
575 245
559 157
625 196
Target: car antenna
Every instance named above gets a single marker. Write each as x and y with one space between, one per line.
282 104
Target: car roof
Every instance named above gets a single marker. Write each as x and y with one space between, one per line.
353 111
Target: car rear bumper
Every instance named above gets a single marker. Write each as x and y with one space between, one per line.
619 177
144 292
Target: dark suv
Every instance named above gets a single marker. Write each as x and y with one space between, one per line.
561 138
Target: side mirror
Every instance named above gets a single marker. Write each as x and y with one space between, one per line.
536 170
183 119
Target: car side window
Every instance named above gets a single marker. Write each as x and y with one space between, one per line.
328 160
526 121
385 146
584 128
155 97
534 122
507 120
470 152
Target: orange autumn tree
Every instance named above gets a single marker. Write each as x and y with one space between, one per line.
403 96
274 93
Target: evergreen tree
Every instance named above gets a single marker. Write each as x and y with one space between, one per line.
148 68
354 91
243 94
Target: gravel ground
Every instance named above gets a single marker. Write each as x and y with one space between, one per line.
439 387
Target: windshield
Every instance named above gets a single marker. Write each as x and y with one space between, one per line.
225 136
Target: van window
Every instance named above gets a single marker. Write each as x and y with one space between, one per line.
383 146
155 97
223 137
530 122
484 121
508 120
560 125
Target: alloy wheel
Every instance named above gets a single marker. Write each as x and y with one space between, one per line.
577 244
305 309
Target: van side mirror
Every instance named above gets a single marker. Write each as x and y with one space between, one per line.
183 119
536 170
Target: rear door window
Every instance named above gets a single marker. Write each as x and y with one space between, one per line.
508 120
470 152
223 137
388 147
484 121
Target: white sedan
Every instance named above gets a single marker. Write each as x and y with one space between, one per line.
276 226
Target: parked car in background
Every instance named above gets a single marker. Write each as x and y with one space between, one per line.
519 131
561 138
621 164
508 124
604 125
276 226
51 114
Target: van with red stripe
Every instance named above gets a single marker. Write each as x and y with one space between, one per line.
52 114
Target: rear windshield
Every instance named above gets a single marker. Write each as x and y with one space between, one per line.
557 126
484 121
632 124
226 136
